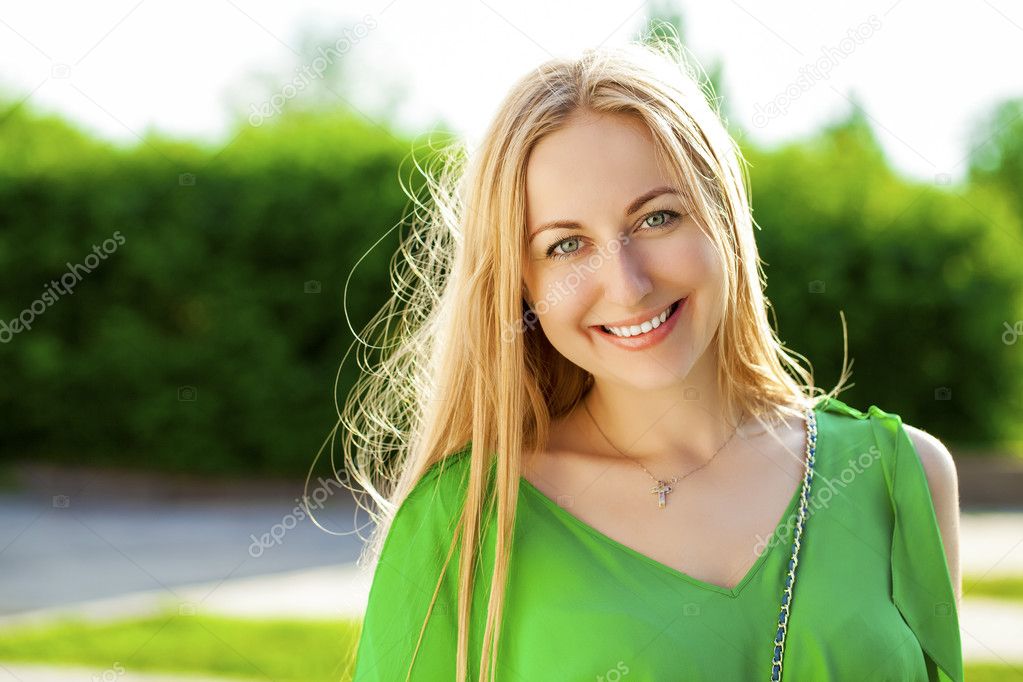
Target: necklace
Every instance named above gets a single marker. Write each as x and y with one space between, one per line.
662 487
790 576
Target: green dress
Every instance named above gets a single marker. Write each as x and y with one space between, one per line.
872 599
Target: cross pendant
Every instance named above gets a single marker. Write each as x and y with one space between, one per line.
661 489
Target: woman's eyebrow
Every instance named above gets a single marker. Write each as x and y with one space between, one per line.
634 206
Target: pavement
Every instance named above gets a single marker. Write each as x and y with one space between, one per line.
323 593
68 542
10 672
991 546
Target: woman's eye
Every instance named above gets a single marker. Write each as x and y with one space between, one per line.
552 251
664 216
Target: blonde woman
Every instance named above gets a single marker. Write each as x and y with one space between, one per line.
593 456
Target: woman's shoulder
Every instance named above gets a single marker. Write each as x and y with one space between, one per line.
886 426
872 429
890 430
410 567
919 472
447 468
834 406
424 520
442 485
895 437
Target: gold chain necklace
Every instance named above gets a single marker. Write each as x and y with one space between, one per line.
662 487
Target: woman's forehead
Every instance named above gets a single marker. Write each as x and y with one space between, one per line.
591 167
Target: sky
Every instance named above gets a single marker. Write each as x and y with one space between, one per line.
924 73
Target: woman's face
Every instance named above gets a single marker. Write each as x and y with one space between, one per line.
631 252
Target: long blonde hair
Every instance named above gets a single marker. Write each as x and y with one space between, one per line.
451 374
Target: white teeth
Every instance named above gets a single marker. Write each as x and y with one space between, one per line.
636 329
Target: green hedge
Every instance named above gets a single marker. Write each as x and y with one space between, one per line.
195 345
927 276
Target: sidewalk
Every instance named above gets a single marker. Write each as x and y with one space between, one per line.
991 631
330 593
10 672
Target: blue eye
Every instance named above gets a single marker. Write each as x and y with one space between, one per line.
672 216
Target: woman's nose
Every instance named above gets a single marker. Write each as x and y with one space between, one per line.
625 279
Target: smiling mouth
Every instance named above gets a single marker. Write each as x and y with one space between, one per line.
644 328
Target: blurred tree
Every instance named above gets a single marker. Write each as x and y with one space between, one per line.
997 156
31 140
323 76
924 279
665 20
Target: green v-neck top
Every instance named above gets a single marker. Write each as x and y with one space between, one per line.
872 599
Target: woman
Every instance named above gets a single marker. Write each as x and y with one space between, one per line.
605 464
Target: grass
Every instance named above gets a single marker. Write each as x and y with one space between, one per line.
311 651
1009 587
985 672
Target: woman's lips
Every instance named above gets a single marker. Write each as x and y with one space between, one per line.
647 339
